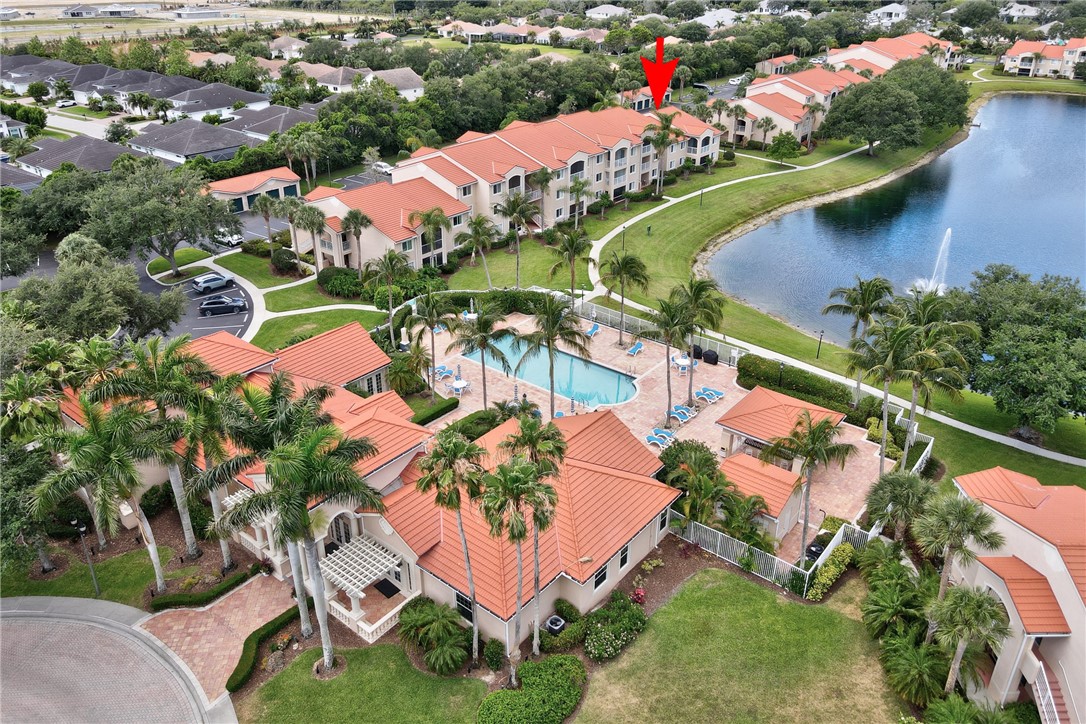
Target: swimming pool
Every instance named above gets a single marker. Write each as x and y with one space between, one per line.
585 382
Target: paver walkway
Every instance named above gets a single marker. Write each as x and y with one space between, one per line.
209 640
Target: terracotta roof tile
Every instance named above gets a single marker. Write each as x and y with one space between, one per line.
1031 593
609 126
335 357
252 181
226 354
390 206
764 414
489 158
754 477
445 168
780 104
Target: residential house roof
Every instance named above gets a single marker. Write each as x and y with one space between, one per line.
754 477
817 79
605 497
783 60
1054 513
551 142
214 96
91 154
198 59
190 137
85 73
227 355
15 177
384 36
765 415
337 357
780 104
266 121
1047 50
489 158
402 79
1031 593
551 56
285 42
443 167
312 70
252 181
608 126
161 86
271 65
687 123
463 27
390 206
343 76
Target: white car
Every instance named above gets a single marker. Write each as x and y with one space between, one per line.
225 238
819 60
65 104
382 168
970 60
737 80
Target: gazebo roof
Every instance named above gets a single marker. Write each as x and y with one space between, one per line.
358 564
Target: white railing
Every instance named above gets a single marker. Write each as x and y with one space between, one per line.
1042 695
342 615
250 545
897 415
372 632
848 533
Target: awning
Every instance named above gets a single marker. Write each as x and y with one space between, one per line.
358 564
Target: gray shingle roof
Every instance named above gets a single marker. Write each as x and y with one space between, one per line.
400 78
344 76
85 73
266 121
190 138
16 177
88 153
213 95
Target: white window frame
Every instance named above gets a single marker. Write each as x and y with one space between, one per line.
624 557
496 188
408 245
465 191
597 581
559 213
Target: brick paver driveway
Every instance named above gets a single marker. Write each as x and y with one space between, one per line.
209 640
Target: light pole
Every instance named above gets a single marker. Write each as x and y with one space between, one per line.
780 374
82 528
819 350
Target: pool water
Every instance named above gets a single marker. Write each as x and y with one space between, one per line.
585 382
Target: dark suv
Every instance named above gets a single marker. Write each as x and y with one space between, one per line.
222 304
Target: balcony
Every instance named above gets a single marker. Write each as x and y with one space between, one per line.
575 176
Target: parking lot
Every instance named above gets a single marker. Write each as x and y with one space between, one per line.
198 326
359 180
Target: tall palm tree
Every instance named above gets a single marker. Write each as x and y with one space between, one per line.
664 133
735 112
555 323
816 443
388 268
864 301
312 219
899 497
519 212
166 375
544 446
887 357
29 405
430 310
704 304
967 615
513 489
354 221
290 207
706 489
51 358
766 125
314 466
947 527
312 146
577 188
93 360
719 107
542 180
483 335
671 325
572 248
478 238
432 221
267 207
683 74
102 457
453 470
622 269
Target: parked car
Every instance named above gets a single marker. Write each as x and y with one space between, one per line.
704 86
382 168
226 238
819 60
222 304
970 60
65 103
210 282
737 80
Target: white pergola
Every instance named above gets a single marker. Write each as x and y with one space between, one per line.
357 565
234 499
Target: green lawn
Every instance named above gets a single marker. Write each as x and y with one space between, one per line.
380 685
728 650
254 268
450 44
535 263
824 150
275 332
123 578
54 133
301 296
83 112
1011 83
744 167
187 273
183 256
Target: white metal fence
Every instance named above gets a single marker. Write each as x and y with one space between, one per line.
848 533
1042 695
899 417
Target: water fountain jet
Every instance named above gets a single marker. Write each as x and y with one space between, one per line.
937 283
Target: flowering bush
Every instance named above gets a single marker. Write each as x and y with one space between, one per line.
282 643
638 596
613 627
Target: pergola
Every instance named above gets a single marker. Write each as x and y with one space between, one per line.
357 565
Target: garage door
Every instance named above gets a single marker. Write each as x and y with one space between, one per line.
235 206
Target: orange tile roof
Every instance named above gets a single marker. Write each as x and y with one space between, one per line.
252 181
817 79
322 192
861 64
687 123
1054 513
1032 595
783 59
780 104
638 92
445 168
1026 47
390 206
335 357
608 126
549 142
226 354
605 497
489 158
754 477
764 414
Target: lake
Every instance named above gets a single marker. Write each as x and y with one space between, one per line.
1014 192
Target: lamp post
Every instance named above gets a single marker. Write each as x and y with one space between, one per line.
780 374
819 350
623 239
82 529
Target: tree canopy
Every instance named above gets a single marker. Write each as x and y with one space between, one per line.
877 112
942 99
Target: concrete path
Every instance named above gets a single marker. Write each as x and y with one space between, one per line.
82 127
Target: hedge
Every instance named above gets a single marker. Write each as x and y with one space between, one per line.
202 598
757 370
572 635
550 691
611 628
476 424
435 411
830 571
249 650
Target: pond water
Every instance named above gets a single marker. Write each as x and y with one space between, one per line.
1014 192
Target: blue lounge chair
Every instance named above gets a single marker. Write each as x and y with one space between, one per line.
442 372
662 432
716 393
559 413
592 331
690 411
660 442
633 351
679 415
439 328
706 397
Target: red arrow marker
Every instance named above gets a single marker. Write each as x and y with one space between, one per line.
659 73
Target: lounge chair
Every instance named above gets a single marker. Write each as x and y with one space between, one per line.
592 331
706 396
715 393
660 442
679 415
438 329
633 351
559 413
662 432
690 411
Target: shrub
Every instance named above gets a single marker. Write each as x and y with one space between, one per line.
571 636
281 238
380 296
728 155
494 654
551 690
201 517
59 522
670 457
284 261
435 628
830 571
156 499
931 467
298 338
345 285
832 523
613 627
439 409
328 273
256 247
247 662
187 600
642 195
754 370
567 610
476 424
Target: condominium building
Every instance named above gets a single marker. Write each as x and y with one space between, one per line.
878 56
1038 58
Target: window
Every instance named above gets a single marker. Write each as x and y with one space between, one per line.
396 575
463 605
559 194
599 158
624 556
458 220
559 174
601 577
559 213
496 188
369 385
408 245
380 386
663 520
599 177
465 191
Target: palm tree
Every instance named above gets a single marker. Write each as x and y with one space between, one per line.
899 497
544 446
267 207
430 310
287 146
864 302
621 269
453 470
102 457
735 112
482 335
519 212
706 489
29 405
719 107
432 221
572 248
478 237
664 133
290 207
555 324
945 529
671 325
915 673
541 180
17 146
388 268
891 608
577 188
93 360
354 221
312 219
166 375
313 465
311 145
766 125
140 101
508 493
604 101
968 615
816 443
704 304
683 74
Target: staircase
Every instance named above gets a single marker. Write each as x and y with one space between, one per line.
1049 697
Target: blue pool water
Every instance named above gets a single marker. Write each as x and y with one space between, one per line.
582 381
